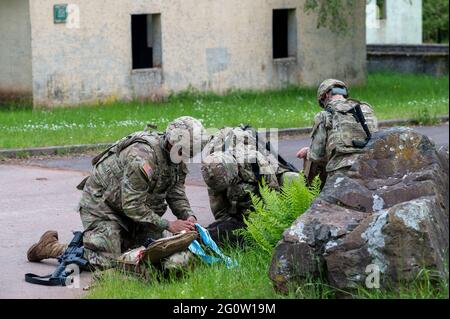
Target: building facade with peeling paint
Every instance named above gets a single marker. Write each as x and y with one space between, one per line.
83 52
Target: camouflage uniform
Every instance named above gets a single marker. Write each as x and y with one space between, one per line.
126 195
232 174
331 142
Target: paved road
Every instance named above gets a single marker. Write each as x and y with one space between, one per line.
40 194
34 200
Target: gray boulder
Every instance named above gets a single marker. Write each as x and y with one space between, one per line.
388 214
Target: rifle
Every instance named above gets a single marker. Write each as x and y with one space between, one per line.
72 255
269 148
359 117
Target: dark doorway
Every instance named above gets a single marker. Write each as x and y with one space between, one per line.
142 52
284 35
280 34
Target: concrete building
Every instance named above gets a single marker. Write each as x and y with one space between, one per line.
394 21
89 51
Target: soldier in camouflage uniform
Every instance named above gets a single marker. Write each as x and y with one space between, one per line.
234 167
131 184
336 128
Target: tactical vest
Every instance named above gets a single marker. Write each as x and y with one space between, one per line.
345 129
120 145
109 171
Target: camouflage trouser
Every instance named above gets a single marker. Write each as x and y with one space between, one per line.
106 238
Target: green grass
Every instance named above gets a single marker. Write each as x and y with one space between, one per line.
203 281
427 285
249 280
392 95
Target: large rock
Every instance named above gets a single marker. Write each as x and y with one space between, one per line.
388 213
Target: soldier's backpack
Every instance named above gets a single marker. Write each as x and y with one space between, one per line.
352 125
117 147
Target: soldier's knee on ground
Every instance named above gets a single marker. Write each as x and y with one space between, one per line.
102 244
99 260
104 238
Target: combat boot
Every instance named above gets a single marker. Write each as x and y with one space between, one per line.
47 247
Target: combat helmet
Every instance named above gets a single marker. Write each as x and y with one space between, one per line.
220 170
327 85
187 134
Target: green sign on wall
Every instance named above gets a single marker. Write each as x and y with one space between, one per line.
60 13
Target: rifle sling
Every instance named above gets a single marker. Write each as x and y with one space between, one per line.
359 118
45 280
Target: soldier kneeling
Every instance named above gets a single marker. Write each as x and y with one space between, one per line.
340 132
128 192
234 168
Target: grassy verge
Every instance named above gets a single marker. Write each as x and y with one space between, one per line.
249 280
202 281
393 96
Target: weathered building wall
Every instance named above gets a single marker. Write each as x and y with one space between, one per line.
402 23
206 45
80 64
324 54
15 50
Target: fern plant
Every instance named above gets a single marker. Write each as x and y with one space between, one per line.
274 211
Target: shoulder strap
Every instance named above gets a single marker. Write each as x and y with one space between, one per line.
359 117
97 158
138 137
120 145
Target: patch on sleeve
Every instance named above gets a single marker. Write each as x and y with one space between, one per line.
147 170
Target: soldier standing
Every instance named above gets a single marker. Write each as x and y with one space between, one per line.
124 198
340 131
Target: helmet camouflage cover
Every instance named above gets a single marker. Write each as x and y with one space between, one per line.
188 133
327 85
219 170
